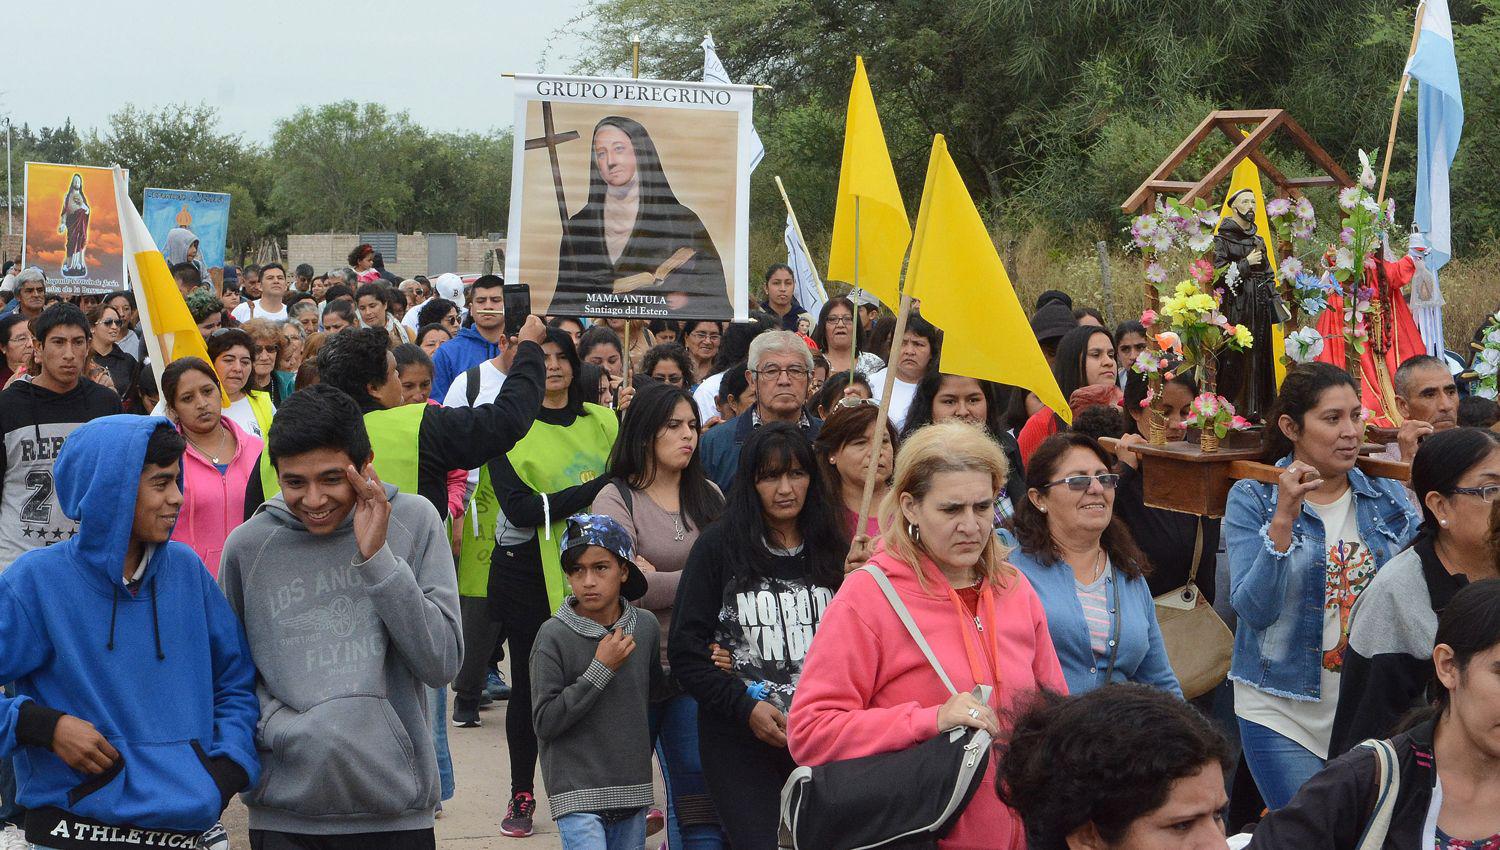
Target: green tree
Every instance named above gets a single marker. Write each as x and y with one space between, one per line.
1054 111
176 147
343 167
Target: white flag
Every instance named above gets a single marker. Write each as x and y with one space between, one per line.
810 292
713 72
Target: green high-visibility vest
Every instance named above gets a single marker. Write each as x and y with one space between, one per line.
551 458
393 440
477 540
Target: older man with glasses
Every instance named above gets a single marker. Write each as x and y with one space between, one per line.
780 367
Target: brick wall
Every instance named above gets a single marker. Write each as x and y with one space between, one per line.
331 250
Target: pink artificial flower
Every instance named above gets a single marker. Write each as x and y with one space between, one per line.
1202 271
1148 317
1239 423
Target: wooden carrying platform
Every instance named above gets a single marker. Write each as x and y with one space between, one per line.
1182 477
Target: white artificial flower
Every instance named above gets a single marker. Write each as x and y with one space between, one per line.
1366 171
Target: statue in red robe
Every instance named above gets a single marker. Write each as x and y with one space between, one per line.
1393 339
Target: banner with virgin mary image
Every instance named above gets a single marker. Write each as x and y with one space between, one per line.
630 198
71 228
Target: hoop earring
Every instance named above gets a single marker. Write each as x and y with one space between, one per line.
914 532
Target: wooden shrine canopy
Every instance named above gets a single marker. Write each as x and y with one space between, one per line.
1230 122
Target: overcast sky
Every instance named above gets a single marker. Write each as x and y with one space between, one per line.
258 61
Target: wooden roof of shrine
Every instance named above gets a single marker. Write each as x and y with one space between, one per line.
1229 122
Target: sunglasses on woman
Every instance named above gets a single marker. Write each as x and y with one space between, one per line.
1080 483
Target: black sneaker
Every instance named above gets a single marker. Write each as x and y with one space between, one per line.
466 717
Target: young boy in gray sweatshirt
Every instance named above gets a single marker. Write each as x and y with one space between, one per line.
350 602
594 667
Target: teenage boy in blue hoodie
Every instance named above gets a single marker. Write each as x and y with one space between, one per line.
134 719
474 344
350 603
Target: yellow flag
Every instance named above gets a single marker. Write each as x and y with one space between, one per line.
167 326
964 290
1247 176
867 182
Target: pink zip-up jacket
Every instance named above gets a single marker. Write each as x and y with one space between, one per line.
214 505
867 689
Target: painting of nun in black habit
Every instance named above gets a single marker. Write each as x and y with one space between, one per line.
634 236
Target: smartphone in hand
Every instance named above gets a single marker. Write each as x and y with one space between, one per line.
517 298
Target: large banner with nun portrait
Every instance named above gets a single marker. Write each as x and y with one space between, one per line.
630 198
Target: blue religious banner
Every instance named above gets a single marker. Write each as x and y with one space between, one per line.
188 226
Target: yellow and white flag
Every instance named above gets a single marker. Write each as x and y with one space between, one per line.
167 326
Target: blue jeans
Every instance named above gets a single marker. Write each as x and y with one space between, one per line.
675 724
437 703
594 831
1279 764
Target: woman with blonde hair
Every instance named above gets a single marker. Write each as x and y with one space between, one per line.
866 687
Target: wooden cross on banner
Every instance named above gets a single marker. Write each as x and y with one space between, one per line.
550 139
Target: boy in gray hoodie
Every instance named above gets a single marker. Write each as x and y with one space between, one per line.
350 602
594 667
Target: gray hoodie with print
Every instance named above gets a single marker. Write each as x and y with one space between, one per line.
344 649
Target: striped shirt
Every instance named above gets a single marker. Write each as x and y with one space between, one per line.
1094 598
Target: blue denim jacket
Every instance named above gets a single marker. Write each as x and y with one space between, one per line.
1142 656
1279 596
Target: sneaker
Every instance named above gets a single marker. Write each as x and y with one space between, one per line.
12 838
496 686
656 821
466 717
517 822
215 839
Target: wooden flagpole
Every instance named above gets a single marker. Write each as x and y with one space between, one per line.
1390 141
882 417
626 366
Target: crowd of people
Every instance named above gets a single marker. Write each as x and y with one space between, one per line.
264 576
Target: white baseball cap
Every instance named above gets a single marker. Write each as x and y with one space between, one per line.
450 286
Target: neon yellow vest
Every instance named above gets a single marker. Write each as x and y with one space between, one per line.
393 440
260 405
551 458
478 540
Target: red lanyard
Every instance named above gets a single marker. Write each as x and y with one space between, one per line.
983 651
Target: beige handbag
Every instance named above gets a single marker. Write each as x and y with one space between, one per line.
1198 643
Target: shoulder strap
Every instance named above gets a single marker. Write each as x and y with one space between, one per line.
625 497
471 387
1387 788
911 626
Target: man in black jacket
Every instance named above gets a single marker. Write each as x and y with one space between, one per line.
416 445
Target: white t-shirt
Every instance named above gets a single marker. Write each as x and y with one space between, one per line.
491 379
703 396
257 310
244 416
1348 568
410 319
901 395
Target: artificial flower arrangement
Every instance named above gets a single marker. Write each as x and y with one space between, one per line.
1198 332
1485 371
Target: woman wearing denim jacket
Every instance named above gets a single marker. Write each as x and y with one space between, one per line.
1300 552
1087 570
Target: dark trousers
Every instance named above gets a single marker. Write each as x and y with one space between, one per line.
518 596
744 778
481 635
411 839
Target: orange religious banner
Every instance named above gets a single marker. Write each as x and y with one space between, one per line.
71 228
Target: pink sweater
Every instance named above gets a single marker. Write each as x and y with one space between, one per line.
213 504
867 689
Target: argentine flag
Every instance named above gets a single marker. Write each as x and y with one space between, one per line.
1440 123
